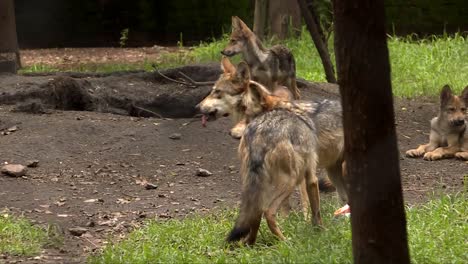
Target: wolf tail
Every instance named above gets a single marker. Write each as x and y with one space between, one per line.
251 211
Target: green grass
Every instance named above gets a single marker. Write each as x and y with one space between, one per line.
419 67
19 237
437 234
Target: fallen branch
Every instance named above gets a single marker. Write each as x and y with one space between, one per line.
187 80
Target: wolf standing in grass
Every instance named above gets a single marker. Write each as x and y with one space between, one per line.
278 152
447 138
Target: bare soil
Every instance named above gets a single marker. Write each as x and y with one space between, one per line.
96 156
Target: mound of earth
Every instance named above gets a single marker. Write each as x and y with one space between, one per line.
104 167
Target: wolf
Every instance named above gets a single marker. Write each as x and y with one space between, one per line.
226 96
230 96
239 96
270 67
278 152
447 138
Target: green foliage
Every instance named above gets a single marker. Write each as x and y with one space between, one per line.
420 67
437 233
423 66
123 37
19 237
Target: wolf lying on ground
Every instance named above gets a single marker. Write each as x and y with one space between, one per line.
447 138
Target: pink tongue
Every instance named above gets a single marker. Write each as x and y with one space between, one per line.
343 211
203 120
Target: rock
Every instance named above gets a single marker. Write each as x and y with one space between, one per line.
150 186
12 129
32 163
14 170
203 173
175 136
77 231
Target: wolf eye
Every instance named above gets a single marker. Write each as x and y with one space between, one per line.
451 109
463 109
233 41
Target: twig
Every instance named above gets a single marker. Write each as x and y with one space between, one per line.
187 82
148 111
194 82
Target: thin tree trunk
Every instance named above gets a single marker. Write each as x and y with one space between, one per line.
318 41
284 17
9 43
260 18
378 217
311 7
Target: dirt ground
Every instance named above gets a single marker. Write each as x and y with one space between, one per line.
96 168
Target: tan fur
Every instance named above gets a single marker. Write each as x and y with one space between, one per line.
284 166
447 138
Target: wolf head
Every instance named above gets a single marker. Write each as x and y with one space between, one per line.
226 94
453 108
234 93
239 36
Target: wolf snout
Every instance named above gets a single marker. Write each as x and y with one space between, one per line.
227 53
198 109
458 122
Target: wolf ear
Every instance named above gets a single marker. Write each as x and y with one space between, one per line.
236 23
445 95
243 72
464 95
227 66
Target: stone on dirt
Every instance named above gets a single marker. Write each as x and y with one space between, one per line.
14 170
203 173
175 136
32 163
150 186
77 231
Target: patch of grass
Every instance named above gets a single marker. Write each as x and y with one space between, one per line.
36 68
422 67
438 230
437 234
19 237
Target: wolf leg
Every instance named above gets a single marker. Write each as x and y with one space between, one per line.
270 213
314 198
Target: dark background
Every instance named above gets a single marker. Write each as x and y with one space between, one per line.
84 23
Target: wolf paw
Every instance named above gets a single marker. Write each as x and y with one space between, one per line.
414 153
462 155
432 156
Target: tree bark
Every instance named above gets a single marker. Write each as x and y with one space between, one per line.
9 43
260 18
318 41
377 211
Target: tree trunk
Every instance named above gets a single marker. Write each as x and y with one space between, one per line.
318 41
311 6
284 18
9 43
377 211
260 18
